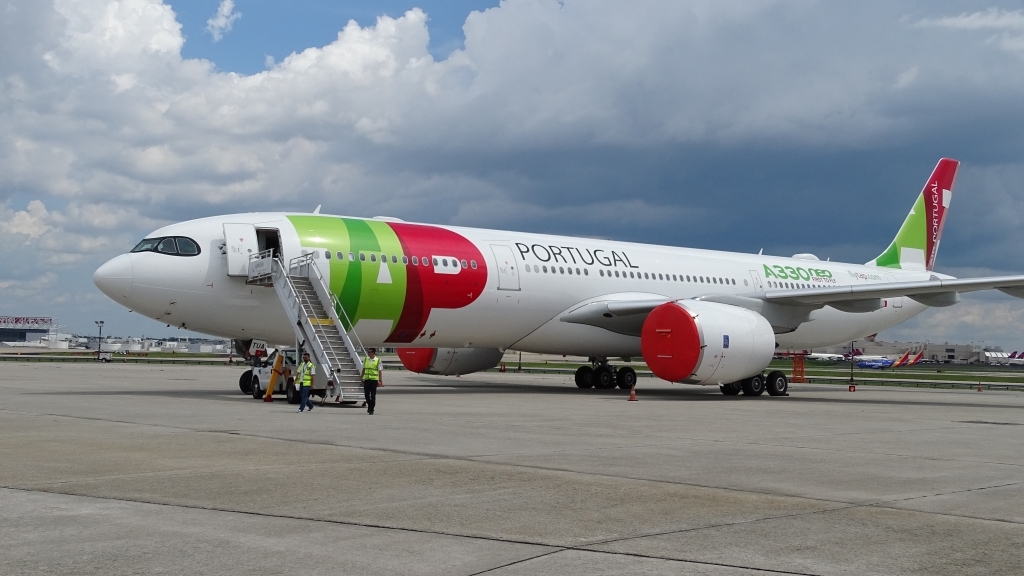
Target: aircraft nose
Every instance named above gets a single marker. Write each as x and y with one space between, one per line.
115 278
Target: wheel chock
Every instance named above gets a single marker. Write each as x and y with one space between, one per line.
853 387
632 393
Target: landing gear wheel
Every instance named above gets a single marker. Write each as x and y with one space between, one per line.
245 382
777 384
257 392
604 378
292 394
753 386
626 377
585 377
730 389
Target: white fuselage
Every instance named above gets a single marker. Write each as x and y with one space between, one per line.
554 275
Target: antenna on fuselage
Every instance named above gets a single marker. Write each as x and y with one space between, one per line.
317 211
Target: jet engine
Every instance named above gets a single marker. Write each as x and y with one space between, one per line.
449 361
706 342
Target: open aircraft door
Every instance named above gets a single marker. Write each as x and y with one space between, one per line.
240 242
508 270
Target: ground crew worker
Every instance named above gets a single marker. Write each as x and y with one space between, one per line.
304 381
372 378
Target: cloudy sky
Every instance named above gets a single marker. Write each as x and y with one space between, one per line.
796 126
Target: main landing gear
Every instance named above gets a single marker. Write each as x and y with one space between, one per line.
776 384
602 376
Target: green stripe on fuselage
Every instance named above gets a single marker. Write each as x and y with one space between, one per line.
361 286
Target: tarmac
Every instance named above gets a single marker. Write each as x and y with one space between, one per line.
128 469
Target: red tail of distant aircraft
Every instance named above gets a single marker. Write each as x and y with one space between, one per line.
903 360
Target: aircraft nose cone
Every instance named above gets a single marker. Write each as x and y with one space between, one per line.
115 278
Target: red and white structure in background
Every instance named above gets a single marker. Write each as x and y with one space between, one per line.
26 323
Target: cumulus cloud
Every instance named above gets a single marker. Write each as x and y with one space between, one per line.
1008 24
223 20
718 123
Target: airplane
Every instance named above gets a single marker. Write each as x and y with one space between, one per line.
821 357
876 364
449 296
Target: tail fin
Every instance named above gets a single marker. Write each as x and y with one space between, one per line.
903 360
917 242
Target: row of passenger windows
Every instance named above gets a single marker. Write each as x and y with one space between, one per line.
176 246
791 285
635 275
416 260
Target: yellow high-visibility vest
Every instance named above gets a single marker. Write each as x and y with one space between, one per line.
306 370
371 369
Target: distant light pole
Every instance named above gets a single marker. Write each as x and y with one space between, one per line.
851 360
99 343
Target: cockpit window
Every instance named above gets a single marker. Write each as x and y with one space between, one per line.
166 246
146 245
175 246
186 247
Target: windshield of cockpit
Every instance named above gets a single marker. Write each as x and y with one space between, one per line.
172 245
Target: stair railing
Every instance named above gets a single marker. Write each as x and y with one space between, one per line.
305 266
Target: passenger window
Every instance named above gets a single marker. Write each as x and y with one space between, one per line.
327 254
472 264
187 247
466 264
586 272
601 272
561 270
405 259
577 271
435 261
687 277
166 246
545 269
362 257
616 273
373 257
527 268
745 283
426 261
394 259
351 257
444 262
570 271
415 261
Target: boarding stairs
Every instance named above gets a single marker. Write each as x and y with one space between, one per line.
321 322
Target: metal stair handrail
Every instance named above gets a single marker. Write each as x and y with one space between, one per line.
306 267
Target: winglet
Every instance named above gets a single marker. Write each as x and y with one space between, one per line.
917 242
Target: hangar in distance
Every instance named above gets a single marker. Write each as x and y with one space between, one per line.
452 299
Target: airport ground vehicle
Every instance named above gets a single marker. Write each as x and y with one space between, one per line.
278 370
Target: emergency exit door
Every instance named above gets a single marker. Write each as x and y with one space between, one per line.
239 243
508 269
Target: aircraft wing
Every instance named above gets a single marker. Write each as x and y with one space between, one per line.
787 309
863 298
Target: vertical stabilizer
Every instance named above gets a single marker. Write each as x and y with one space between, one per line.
917 242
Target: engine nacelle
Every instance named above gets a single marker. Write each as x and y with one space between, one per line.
706 342
449 361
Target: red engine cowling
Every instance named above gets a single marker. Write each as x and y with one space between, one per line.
706 342
449 361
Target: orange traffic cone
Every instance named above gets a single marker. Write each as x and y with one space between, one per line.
268 398
979 386
853 387
632 393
